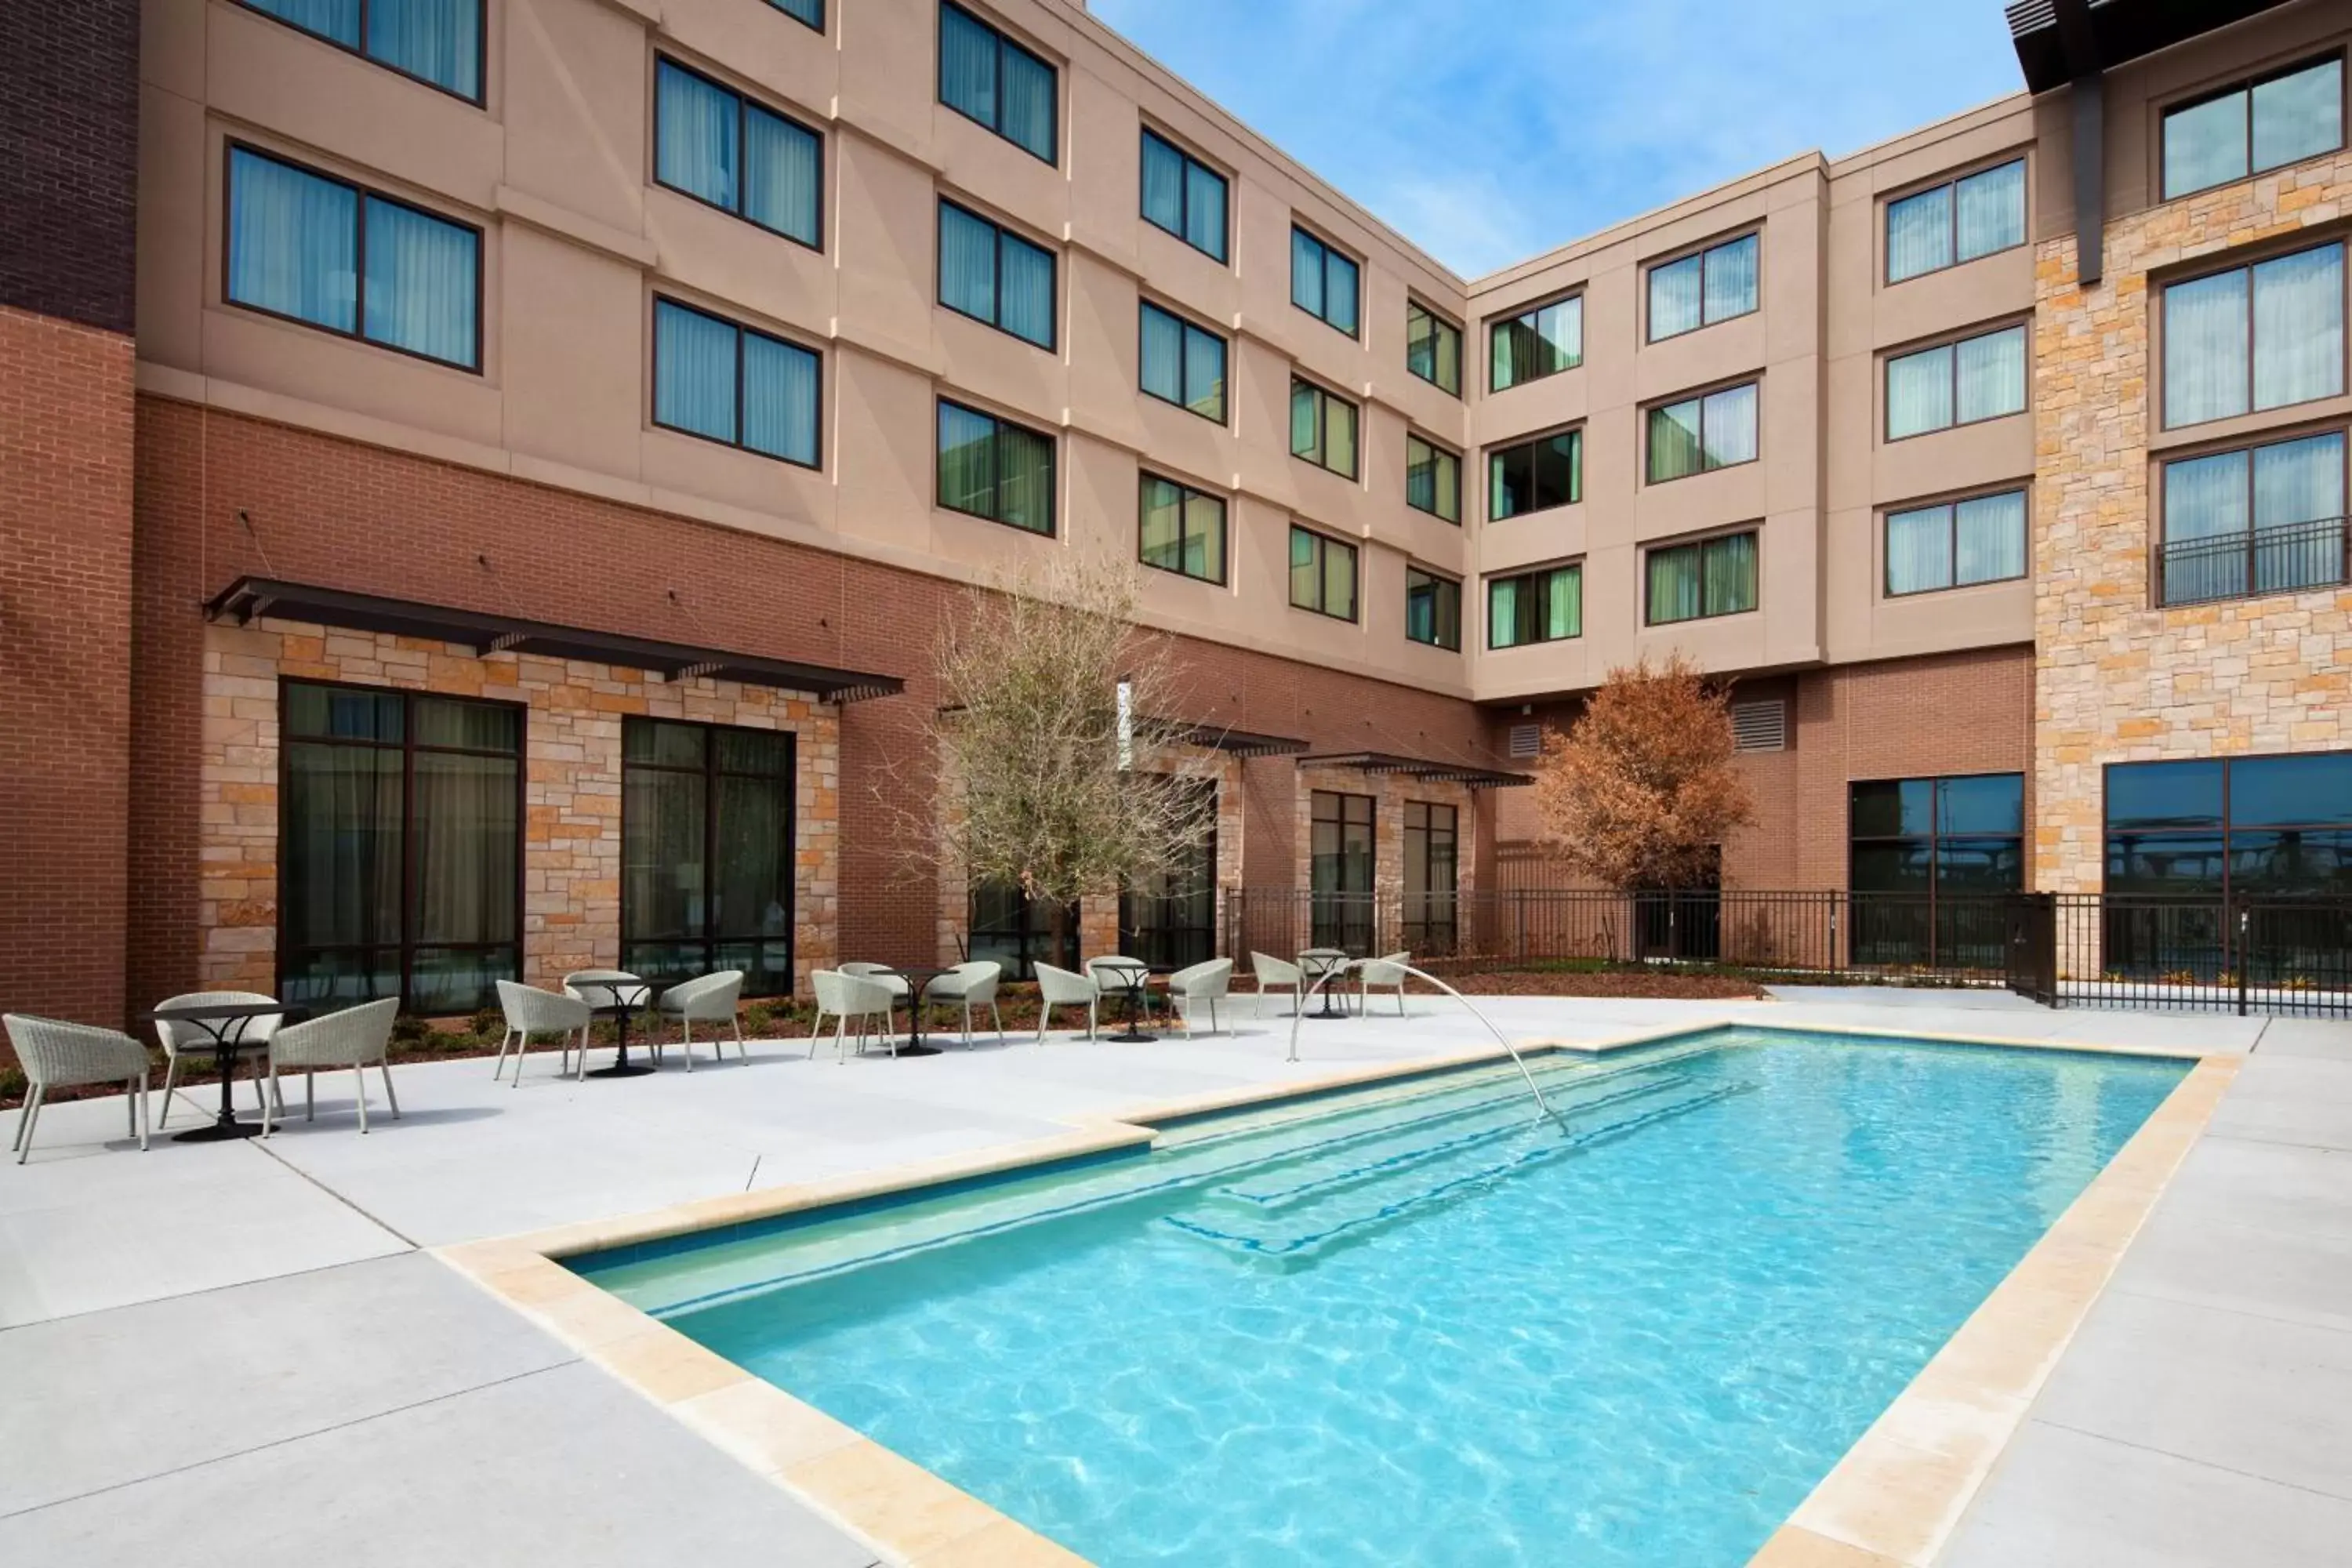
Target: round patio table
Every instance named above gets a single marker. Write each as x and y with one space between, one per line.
1133 974
618 1009
916 976
1315 963
225 1022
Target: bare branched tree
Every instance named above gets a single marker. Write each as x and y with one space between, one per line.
1062 767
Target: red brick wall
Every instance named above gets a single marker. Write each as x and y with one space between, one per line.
66 415
338 514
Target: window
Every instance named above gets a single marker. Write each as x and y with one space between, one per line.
1706 577
438 42
1535 475
726 383
1432 852
1339 869
993 275
318 250
2261 520
1932 860
1535 607
1949 224
809 11
1433 348
986 77
1017 932
1169 920
1699 291
1182 530
2254 126
1433 479
1182 363
1322 575
995 469
720 147
1322 427
1322 281
2245 827
1537 343
1954 545
1716 431
707 853
2254 337
1184 195
399 847
1976 378
1433 609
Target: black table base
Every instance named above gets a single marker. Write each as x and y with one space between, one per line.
621 1069
220 1131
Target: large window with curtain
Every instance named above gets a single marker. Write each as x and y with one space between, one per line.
1714 285
1932 859
1975 378
1169 919
1960 220
1705 578
718 146
1322 427
1956 544
986 77
438 42
1323 282
320 250
2256 337
1536 607
1010 928
1433 609
1431 856
707 853
1694 435
1433 477
809 11
1536 343
1339 869
2257 520
726 383
1433 348
399 847
995 469
1184 195
1181 364
1182 530
993 275
1322 575
2266 123
1536 476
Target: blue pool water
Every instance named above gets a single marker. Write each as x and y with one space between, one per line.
1415 1326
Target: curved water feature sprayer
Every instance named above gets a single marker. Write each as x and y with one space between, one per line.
1340 969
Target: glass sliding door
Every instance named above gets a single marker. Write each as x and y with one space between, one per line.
1340 870
1017 931
1431 858
1170 920
399 849
707 853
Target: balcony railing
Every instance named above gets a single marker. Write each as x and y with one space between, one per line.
2287 560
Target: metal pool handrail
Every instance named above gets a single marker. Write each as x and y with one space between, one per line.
1341 968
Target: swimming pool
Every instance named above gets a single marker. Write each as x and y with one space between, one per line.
1413 1324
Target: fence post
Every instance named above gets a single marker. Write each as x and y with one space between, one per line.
1519 924
2245 952
1831 957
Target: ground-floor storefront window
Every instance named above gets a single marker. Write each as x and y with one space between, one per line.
1431 856
1932 859
1340 869
707 853
1170 921
1017 931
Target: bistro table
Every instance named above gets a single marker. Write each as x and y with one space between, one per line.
225 1022
1316 962
1131 975
629 995
916 976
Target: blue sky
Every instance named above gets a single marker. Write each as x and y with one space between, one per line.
1490 130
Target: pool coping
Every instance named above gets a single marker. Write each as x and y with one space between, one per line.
1890 1503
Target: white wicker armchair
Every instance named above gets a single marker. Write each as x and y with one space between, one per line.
1060 988
530 1011
1387 974
58 1055
1200 984
882 972
850 998
969 985
1276 974
176 1037
356 1037
709 999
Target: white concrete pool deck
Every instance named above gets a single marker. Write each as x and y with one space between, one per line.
239 1353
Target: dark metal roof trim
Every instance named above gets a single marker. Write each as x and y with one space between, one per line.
248 597
1242 743
2121 30
1419 768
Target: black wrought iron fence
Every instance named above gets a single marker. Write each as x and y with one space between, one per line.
2280 955
2257 561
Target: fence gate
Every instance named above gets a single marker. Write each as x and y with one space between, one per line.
2033 946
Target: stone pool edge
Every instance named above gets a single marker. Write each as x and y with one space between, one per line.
914 1519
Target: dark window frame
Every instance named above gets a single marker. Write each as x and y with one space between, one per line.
1438 449
1166 943
1887 362
2161 518
1223 255
1530 445
2224 830
408 944
1522 577
1651 552
1950 505
2245 262
1336 913
1323 544
710 773
1649 469
1438 323
1436 581
1145 478
1650 334
1031 931
1185 325
652 383
1421 933
1326 250
1497 325
1879 931
231 146
1324 398
816 26
1005 41
479 99
1052 469
2245 85
744 106
1003 233
1951 181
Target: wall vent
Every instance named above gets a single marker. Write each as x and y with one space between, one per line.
1760 726
1527 740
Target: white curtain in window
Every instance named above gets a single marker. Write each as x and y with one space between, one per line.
967 461
2299 327
1919 393
1163 355
1204 536
1027 85
1204 372
1989 538
2205 497
1025 490
1673 440
1564 602
1306 436
1339 580
336 19
809 11
1919 234
422 280
783 176
2298 482
968 54
1678 296
1163 184
1918 550
1730 426
1163 524
440 40
1338 290
967 263
292 242
1305 272
2299 115
1731 280
1730 574
1338 436
1991 375
1992 211
1025 295
1503 612
1303 571
780 399
1674 584
2205 144
2205 349
1204 209
694 135
694 371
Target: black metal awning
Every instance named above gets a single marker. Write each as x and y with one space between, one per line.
1419 768
248 597
2110 32
1242 743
